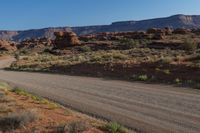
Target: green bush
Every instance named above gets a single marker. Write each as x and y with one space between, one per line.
20 91
165 60
114 127
143 77
84 49
193 84
177 81
130 43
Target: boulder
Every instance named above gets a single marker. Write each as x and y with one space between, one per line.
152 31
65 39
158 34
7 46
35 43
168 31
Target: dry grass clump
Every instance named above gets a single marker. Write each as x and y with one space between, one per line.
84 48
4 109
190 45
74 127
4 103
38 99
19 115
10 119
16 120
4 86
111 56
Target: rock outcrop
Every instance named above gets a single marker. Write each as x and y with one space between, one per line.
35 43
115 36
7 46
181 31
164 31
65 39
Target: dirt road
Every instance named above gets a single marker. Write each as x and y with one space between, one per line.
150 108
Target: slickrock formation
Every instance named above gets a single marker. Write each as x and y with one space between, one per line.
115 36
165 31
7 46
33 43
182 31
65 39
159 34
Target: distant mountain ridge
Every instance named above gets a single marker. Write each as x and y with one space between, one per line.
176 21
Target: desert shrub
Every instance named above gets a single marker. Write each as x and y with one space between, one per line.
4 85
196 85
47 50
4 98
2 94
108 57
165 60
20 91
73 127
120 56
77 59
114 127
17 56
167 71
16 120
189 45
130 43
5 109
117 56
143 77
145 42
194 58
84 49
24 52
38 99
193 84
177 81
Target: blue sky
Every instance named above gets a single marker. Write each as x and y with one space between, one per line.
30 14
